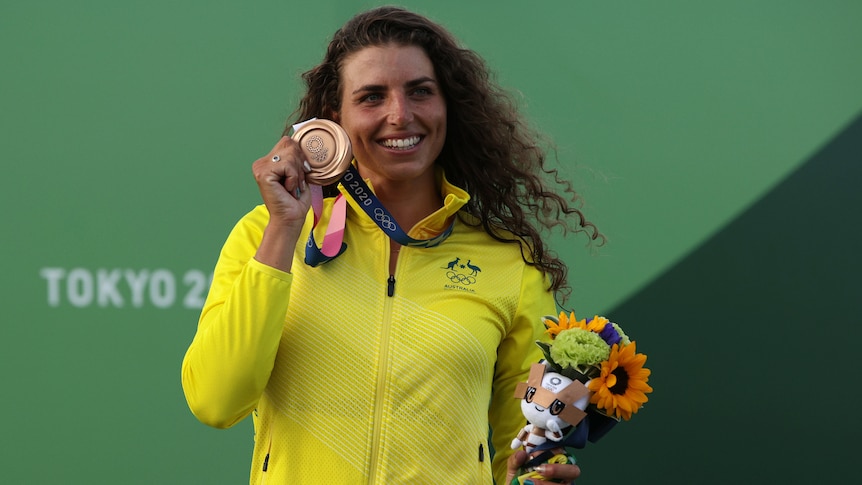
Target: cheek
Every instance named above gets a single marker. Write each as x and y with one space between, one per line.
440 116
356 129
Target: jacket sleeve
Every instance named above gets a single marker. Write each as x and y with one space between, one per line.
516 353
229 362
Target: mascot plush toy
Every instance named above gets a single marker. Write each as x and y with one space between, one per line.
590 378
552 403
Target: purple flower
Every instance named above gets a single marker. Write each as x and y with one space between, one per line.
610 335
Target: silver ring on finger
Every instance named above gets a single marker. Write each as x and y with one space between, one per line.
276 159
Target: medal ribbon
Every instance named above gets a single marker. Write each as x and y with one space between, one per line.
333 244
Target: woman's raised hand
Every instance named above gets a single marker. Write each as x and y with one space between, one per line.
280 177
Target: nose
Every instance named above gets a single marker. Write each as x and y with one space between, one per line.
400 110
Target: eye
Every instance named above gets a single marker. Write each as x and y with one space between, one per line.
557 407
531 391
371 98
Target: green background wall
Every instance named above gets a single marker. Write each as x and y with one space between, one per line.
718 146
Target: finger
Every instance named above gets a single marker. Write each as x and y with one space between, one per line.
513 464
278 179
288 152
301 190
558 471
292 181
286 159
516 460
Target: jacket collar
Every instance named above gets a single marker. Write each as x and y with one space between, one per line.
454 198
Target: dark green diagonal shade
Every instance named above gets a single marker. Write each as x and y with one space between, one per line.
752 341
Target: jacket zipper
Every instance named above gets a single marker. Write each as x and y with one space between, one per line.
381 376
381 388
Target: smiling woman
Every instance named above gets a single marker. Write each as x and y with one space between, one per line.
443 315
394 113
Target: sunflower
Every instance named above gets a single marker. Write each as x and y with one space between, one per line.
555 325
622 387
595 324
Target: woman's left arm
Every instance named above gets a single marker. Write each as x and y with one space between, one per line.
515 354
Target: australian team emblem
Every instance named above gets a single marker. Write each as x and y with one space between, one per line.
462 272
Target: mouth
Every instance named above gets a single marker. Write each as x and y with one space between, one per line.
401 143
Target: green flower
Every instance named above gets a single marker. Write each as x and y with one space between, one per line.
579 349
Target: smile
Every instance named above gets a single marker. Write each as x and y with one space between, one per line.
401 143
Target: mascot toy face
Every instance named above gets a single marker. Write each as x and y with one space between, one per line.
549 402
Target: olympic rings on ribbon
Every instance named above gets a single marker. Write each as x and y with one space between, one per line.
383 220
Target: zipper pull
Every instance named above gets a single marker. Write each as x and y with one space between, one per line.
481 453
390 285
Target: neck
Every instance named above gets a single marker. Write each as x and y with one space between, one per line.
409 202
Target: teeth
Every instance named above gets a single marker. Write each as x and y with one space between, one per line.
403 143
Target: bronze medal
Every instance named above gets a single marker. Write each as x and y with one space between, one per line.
327 149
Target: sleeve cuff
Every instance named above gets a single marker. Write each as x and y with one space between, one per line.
270 271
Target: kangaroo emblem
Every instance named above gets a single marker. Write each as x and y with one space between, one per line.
473 268
452 264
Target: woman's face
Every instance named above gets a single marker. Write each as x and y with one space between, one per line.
394 113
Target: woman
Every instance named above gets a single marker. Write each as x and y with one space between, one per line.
389 363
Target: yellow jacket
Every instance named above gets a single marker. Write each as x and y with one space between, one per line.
348 385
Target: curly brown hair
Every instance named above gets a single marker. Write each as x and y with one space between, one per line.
490 151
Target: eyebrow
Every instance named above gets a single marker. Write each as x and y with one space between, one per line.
409 84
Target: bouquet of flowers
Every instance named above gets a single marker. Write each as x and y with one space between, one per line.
597 352
592 377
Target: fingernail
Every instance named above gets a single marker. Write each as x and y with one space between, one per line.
542 469
304 185
528 482
306 166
